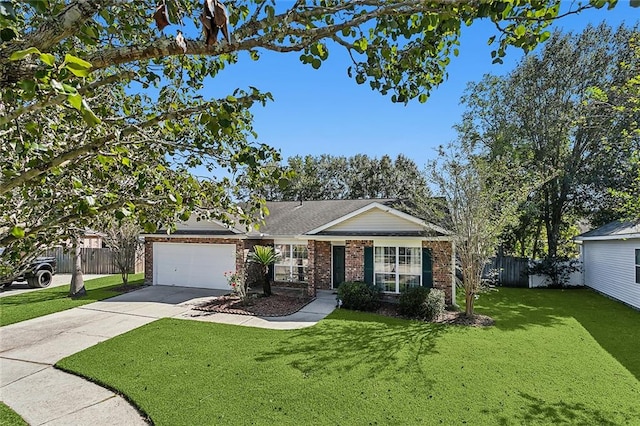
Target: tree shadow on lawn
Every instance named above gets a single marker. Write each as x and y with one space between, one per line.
539 411
519 309
62 293
348 340
615 326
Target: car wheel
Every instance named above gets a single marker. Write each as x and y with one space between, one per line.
42 279
6 285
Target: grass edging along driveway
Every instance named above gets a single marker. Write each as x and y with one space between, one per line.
35 304
8 417
551 358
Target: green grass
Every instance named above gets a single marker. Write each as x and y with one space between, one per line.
8 417
554 357
35 304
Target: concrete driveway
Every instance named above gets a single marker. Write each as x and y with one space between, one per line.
58 280
42 394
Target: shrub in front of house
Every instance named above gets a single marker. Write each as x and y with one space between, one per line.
411 301
421 303
434 305
359 296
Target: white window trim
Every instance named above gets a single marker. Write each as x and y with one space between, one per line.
292 243
396 266
637 265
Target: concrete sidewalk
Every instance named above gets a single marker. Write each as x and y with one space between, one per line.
43 395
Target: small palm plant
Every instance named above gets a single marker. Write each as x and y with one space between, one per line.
264 256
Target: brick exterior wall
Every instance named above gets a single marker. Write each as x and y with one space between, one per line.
442 267
319 254
322 265
311 268
354 259
148 250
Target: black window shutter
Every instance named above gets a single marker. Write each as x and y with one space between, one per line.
427 268
368 265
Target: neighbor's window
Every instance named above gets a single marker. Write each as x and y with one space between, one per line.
637 266
292 266
397 268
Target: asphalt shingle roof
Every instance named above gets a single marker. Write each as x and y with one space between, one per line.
295 218
613 229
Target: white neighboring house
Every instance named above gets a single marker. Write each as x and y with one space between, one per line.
611 260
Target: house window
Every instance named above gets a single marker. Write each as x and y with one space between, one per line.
637 266
292 266
397 268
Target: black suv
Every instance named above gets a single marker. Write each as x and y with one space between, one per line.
38 274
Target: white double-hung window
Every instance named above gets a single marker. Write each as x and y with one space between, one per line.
293 263
397 268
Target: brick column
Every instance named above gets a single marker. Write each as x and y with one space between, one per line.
148 262
354 259
442 267
311 269
322 262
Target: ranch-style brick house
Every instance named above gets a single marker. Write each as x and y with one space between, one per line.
321 244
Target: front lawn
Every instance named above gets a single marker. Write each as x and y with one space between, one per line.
8 417
34 304
553 357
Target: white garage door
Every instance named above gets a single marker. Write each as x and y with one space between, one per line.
193 265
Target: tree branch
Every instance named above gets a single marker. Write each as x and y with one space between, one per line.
57 28
60 99
73 154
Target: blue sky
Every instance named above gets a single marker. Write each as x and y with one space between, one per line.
325 112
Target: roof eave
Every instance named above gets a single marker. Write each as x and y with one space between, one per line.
609 237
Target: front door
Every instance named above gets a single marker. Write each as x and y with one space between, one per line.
338 266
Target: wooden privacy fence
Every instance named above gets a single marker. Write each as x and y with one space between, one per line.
512 271
94 261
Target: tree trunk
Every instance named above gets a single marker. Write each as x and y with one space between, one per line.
553 231
266 284
469 301
534 250
76 289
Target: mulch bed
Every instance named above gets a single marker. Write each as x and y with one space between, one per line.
285 302
459 318
276 305
448 317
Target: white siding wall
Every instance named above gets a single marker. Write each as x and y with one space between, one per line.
204 225
609 267
376 220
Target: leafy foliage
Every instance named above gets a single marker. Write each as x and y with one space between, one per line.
411 302
481 199
624 98
434 304
359 296
328 177
126 244
264 256
557 269
542 117
101 113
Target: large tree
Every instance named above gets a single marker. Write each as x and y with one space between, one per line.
540 117
328 177
480 199
102 113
